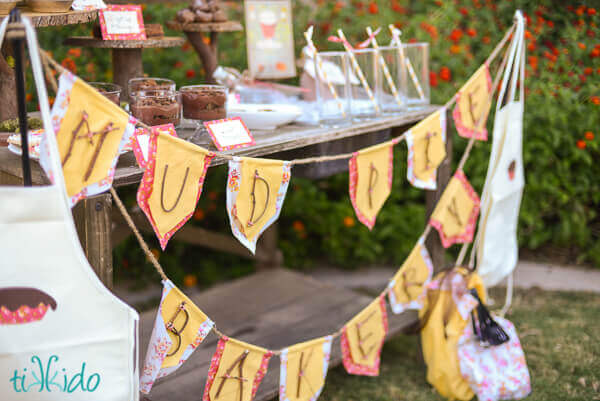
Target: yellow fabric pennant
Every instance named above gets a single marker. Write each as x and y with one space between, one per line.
236 370
303 370
456 212
407 288
370 183
178 330
426 143
256 189
362 339
473 105
172 182
89 132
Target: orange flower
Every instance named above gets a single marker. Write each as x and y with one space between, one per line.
338 6
471 32
531 46
199 214
373 9
69 64
28 97
589 135
445 74
349 221
486 40
455 35
528 34
455 49
533 62
588 70
581 45
298 226
581 144
595 100
190 280
595 53
591 11
74 52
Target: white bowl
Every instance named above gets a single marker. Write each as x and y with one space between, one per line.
264 116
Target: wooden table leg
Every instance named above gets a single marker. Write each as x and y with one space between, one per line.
127 64
93 221
444 173
206 52
8 91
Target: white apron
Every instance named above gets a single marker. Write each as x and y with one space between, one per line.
497 248
63 335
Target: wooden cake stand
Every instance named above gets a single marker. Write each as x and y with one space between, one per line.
8 98
207 52
126 54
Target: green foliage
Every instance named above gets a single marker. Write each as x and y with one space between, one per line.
561 143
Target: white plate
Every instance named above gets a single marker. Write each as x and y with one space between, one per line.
264 116
17 151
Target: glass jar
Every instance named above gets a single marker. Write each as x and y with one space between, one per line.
389 101
111 91
415 87
332 109
362 105
204 102
149 84
157 107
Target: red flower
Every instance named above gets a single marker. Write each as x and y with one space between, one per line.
455 35
445 74
581 144
531 46
580 10
398 8
471 32
595 53
69 64
590 33
589 135
588 70
486 40
190 73
533 62
373 9
433 82
591 11
464 11
595 100
75 52
528 34
582 78
550 24
178 64
581 45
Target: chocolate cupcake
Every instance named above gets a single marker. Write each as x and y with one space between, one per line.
21 305
204 102
111 91
157 107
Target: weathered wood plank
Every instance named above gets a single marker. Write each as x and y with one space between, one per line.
41 20
89 41
278 308
93 221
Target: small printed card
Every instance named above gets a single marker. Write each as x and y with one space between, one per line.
87 5
122 23
230 133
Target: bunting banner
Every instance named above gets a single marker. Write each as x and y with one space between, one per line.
91 131
172 182
407 288
303 370
371 174
140 142
256 190
179 328
426 144
473 103
236 370
362 339
456 212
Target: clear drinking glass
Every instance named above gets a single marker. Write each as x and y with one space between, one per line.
204 102
362 105
111 91
384 93
418 55
157 107
333 109
149 84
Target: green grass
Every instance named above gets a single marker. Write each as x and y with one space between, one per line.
559 331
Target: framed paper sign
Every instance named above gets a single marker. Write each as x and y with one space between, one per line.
269 38
229 133
122 23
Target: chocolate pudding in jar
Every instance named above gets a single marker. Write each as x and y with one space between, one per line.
157 107
204 102
149 84
110 91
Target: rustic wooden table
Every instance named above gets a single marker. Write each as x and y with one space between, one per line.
273 308
126 55
8 100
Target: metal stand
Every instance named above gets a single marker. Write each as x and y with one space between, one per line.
16 35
